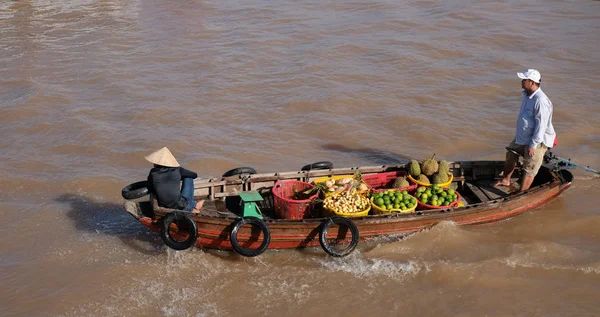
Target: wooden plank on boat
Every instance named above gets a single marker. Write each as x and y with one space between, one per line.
493 192
209 209
478 192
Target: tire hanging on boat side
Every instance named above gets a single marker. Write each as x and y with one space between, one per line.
340 221
135 190
239 171
179 218
235 244
324 165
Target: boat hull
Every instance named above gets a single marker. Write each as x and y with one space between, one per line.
214 231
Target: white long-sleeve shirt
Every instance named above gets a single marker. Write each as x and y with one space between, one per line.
534 125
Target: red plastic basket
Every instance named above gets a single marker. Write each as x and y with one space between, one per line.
385 181
288 208
422 206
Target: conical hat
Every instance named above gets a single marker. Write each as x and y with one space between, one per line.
163 157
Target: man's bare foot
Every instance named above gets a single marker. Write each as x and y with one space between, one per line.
502 182
199 205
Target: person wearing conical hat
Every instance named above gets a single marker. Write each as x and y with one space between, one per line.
166 178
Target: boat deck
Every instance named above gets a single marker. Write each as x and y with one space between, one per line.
473 192
484 190
473 180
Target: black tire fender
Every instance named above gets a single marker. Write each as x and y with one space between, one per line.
235 244
324 165
326 224
179 218
239 171
135 190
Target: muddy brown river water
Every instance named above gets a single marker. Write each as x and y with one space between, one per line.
87 88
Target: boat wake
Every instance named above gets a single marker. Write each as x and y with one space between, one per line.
360 266
552 256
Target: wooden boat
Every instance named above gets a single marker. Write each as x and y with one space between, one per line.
484 203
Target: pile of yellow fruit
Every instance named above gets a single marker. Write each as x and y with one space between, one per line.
347 202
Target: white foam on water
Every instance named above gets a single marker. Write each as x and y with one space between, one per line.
587 177
296 292
154 298
552 256
514 263
362 267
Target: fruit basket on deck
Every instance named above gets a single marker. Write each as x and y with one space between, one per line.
338 184
432 196
445 185
386 181
344 205
399 201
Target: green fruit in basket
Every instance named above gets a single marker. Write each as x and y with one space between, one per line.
396 206
444 194
379 201
389 206
414 169
421 189
446 203
450 191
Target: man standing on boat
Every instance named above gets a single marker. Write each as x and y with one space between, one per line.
535 133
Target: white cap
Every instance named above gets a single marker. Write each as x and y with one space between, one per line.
531 74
